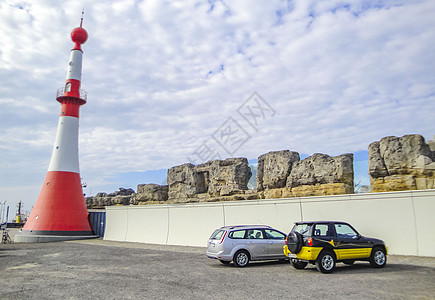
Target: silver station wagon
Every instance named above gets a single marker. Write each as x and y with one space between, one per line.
241 244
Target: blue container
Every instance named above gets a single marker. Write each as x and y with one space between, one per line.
97 219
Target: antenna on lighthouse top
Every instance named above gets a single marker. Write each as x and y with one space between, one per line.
79 34
81 21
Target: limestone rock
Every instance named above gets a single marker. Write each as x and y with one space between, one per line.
425 183
89 202
284 175
243 195
228 177
400 154
215 178
100 200
203 171
183 182
122 192
431 144
277 193
322 189
393 183
377 166
150 193
120 200
408 160
322 169
273 169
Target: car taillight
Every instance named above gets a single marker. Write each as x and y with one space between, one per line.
223 236
286 240
310 241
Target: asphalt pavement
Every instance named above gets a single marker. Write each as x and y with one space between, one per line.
98 269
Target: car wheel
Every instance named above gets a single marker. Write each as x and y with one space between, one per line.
325 263
241 258
298 264
225 262
378 259
294 242
348 262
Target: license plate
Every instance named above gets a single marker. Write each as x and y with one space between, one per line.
291 255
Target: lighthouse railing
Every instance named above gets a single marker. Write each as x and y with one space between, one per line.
61 92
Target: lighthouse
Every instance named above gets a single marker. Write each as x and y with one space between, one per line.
60 211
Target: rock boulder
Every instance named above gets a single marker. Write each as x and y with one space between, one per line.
401 163
322 169
150 193
100 200
400 154
274 168
228 177
184 182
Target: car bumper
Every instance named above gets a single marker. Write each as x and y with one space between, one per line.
306 253
219 256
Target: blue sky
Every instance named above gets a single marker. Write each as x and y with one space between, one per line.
165 78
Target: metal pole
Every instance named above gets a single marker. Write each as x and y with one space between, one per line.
3 210
7 215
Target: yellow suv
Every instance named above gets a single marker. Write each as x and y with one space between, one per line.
324 243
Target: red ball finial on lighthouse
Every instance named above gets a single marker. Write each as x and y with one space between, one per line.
79 35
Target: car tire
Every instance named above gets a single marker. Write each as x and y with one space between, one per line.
325 262
224 262
348 262
294 242
298 264
378 258
241 258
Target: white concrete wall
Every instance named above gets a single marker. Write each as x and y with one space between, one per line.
404 220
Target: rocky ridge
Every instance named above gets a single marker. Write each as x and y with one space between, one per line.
395 164
100 200
280 174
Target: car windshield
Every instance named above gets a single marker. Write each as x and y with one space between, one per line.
217 234
303 229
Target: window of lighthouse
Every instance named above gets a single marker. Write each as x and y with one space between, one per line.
68 87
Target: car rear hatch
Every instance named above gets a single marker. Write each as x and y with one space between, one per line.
215 241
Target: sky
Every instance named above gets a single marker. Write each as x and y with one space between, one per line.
171 82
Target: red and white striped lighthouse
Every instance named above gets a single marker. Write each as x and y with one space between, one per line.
60 211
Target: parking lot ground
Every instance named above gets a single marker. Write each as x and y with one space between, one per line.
115 270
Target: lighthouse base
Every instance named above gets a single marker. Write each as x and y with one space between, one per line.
42 236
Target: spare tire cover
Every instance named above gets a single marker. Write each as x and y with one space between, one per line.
294 242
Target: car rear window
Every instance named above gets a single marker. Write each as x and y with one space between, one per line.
273 234
321 230
237 234
303 229
217 234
